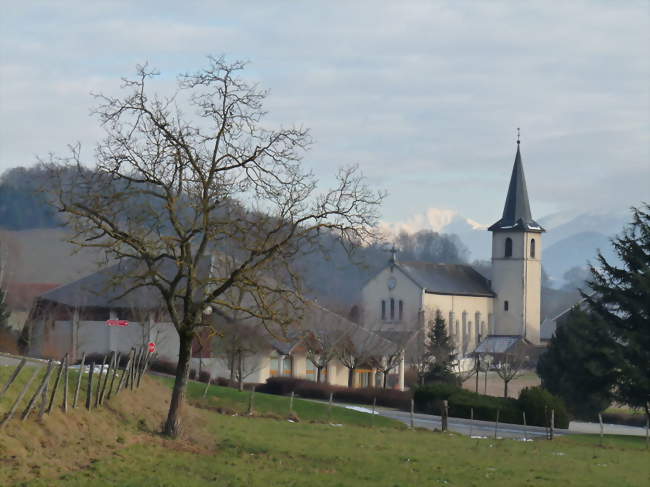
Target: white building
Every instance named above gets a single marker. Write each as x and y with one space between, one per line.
407 295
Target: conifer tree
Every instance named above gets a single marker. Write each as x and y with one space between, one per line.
440 349
622 299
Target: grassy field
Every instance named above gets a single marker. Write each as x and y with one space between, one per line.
118 445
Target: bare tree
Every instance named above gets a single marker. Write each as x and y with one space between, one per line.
239 346
169 185
509 367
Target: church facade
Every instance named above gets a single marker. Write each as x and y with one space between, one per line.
405 296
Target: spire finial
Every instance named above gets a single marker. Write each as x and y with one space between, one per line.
393 255
518 135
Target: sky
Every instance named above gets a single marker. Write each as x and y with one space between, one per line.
424 96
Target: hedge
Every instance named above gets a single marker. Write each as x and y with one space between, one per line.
312 390
428 399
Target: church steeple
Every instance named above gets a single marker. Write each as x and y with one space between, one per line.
516 212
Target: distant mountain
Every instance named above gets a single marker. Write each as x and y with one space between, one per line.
571 239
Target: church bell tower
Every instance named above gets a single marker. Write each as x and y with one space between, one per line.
517 263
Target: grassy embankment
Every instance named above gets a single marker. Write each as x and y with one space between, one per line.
118 445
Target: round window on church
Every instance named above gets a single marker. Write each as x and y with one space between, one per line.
392 282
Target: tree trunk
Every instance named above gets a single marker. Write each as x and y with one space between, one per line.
505 388
231 381
240 371
318 371
350 377
384 379
173 424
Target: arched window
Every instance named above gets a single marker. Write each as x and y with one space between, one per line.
400 309
508 247
383 309
532 248
505 306
392 309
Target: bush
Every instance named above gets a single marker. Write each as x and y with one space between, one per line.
312 390
537 403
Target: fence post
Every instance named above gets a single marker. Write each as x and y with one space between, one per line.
496 425
39 391
329 408
89 391
12 411
374 406
524 415
106 377
13 377
445 416
207 384
602 428
99 381
647 432
56 386
471 421
412 410
251 401
124 375
81 373
546 421
291 403
65 384
143 364
116 367
42 409
552 427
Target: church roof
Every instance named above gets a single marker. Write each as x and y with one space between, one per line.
516 212
447 278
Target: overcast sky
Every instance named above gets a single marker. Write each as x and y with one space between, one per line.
424 96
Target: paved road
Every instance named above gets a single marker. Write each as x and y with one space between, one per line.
468 427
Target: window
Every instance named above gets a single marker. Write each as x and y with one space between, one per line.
505 306
383 309
275 366
392 309
287 365
508 247
401 310
310 370
532 248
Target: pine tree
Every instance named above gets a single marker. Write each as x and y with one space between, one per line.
580 364
622 299
440 349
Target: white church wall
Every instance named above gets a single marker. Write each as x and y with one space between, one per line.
405 289
463 310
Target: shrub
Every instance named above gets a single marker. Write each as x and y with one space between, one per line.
537 403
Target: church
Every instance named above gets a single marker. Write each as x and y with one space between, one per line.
481 315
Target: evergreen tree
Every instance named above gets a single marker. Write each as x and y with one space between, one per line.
440 349
603 353
622 300
580 364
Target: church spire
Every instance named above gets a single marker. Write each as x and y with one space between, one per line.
516 212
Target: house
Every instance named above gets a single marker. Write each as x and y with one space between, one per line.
408 295
96 315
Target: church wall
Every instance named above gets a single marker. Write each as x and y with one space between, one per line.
460 314
405 290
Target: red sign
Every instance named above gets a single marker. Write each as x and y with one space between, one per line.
117 323
152 347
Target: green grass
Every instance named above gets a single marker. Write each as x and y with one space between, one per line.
226 450
278 406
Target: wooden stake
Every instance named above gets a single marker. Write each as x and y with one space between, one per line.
524 416
106 377
471 421
374 405
445 416
13 376
99 382
496 425
65 385
39 391
329 408
89 390
291 403
251 401
116 367
56 386
81 373
12 411
207 385
602 428
552 423
124 375
412 411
